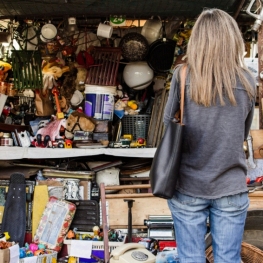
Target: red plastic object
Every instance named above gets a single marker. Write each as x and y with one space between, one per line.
259 179
166 243
248 180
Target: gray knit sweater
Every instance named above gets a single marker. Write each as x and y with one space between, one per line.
213 161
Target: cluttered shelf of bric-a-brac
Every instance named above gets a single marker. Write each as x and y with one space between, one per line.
11 153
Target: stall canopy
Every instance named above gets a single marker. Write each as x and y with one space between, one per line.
139 9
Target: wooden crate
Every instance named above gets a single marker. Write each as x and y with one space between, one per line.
146 204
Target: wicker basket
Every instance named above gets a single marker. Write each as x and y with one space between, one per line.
249 254
46 258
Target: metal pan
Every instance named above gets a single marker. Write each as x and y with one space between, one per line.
161 53
134 46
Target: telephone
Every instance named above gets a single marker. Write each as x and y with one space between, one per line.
131 253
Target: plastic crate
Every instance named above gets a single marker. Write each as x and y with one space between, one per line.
98 245
129 124
46 258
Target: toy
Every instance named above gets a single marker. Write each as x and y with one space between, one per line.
52 129
123 143
73 86
80 78
4 67
55 92
56 144
96 231
68 144
41 246
22 253
119 108
78 121
51 71
39 252
33 247
67 88
71 234
72 259
120 105
139 143
133 104
29 253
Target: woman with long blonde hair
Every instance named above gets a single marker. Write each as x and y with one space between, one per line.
220 97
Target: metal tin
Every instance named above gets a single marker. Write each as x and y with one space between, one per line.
6 141
11 90
7 135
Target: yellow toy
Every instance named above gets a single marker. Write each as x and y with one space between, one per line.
72 260
4 67
51 71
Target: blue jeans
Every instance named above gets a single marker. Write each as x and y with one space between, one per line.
227 217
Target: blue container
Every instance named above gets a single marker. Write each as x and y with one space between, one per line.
168 256
99 102
97 253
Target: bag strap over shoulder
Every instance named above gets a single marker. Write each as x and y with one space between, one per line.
182 80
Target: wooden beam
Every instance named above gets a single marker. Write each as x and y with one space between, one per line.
239 9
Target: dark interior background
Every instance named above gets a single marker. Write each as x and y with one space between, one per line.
87 10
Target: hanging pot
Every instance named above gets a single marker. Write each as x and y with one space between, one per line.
161 53
152 29
134 47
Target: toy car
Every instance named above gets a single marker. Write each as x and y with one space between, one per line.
123 143
58 144
139 143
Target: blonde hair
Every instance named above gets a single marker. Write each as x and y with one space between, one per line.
215 58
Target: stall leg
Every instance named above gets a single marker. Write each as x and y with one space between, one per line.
104 223
130 204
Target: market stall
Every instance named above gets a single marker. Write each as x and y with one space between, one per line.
81 101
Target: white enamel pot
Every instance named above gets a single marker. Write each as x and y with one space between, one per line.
48 32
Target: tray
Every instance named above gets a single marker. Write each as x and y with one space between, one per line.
54 223
83 175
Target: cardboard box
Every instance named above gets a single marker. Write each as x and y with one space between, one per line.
4 255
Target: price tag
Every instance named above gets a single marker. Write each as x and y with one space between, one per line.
117 20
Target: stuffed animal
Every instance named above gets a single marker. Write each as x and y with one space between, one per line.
80 78
51 71
68 86
73 87
78 121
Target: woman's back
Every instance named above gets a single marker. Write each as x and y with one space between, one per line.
213 161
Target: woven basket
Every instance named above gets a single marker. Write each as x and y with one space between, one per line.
249 254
